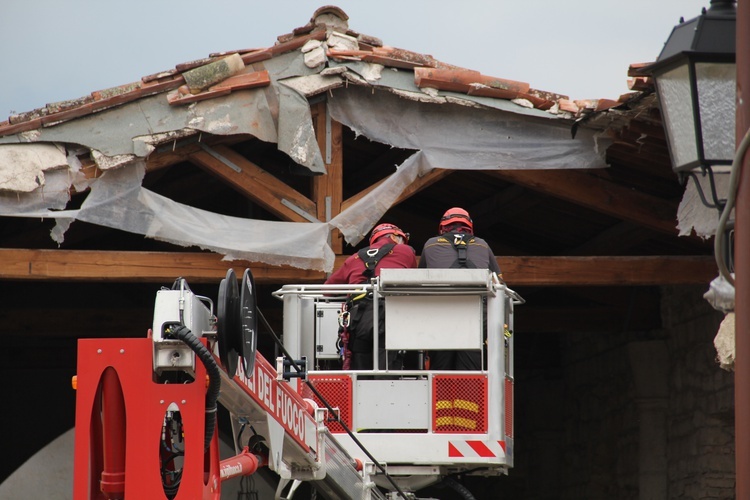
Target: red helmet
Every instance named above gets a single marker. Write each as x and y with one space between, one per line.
455 215
386 229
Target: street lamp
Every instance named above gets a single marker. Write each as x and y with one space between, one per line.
695 77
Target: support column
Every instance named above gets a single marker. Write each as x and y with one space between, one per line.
328 188
742 262
649 362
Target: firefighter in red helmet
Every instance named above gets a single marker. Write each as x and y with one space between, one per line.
388 248
456 246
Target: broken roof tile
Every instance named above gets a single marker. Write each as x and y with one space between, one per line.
183 95
244 81
202 77
280 48
603 104
460 80
159 75
568 105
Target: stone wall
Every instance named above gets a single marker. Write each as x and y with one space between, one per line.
701 401
628 415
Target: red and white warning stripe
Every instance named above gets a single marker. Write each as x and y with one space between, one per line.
476 449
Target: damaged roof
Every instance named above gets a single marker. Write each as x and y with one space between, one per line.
327 37
423 119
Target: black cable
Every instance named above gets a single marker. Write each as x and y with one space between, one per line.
458 488
184 334
330 408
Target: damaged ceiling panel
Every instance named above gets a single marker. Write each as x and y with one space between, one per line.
444 118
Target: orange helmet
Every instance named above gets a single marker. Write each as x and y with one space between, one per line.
455 215
386 229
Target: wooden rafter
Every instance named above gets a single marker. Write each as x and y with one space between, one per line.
598 194
328 188
419 184
113 266
255 183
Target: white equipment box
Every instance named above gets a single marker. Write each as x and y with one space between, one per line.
327 330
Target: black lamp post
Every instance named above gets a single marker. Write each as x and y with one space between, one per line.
695 77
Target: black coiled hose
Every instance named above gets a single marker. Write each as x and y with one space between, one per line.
458 488
184 334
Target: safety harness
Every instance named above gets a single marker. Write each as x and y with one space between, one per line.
370 258
460 243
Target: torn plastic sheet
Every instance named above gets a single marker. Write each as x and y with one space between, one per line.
451 137
356 221
692 214
53 195
24 165
720 294
296 133
119 201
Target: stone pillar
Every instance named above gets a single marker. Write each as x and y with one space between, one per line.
649 362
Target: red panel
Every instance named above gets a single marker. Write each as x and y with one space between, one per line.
337 390
509 407
459 404
145 403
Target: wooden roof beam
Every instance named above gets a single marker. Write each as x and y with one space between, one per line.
576 186
255 183
115 266
419 184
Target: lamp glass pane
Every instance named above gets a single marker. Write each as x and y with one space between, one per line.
716 97
677 109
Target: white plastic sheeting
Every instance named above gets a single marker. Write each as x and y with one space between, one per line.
448 130
118 200
452 137
692 214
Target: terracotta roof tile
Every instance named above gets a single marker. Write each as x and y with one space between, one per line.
428 72
21 127
159 75
568 105
280 48
183 96
69 114
464 80
257 56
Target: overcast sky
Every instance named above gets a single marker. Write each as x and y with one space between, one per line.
55 50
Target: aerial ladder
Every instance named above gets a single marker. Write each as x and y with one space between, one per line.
146 424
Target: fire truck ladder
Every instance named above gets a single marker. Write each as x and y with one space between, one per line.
141 413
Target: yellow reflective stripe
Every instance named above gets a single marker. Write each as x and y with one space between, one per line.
466 405
464 422
443 405
455 422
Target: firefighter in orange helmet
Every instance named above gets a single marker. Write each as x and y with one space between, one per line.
456 246
388 248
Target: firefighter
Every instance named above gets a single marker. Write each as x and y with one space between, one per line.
457 247
388 248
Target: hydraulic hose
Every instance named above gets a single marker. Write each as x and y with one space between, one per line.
184 334
458 488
